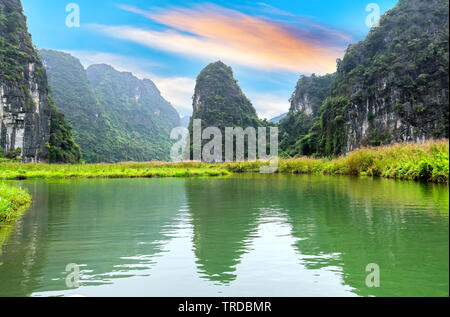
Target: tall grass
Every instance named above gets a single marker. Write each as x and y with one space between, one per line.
12 201
427 162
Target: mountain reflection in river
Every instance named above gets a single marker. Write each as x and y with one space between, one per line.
237 236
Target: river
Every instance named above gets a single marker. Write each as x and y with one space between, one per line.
245 235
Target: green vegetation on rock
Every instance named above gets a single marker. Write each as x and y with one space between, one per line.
297 135
391 87
219 102
62 147
13 200
43 132
114 115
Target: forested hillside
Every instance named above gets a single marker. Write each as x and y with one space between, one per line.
391 87
116 117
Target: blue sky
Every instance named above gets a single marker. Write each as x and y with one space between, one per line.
269 44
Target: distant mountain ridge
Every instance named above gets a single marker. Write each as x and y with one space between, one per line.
279 118
116 116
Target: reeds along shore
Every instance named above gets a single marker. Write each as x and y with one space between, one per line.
13 200
427 162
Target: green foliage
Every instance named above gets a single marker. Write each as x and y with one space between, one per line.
62 147
16 48
333 133
219 102
405 58
401 68
13 153
295 130
427 162
9 170
12 201
115 116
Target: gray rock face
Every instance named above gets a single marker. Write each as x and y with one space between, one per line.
397 78
310 93
24 105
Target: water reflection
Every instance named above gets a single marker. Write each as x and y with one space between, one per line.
110 229
224 221
246 235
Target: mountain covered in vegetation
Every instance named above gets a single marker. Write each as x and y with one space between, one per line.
116 116
219 102
391 87
306 103
73 94
30 125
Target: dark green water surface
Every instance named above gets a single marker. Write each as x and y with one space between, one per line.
255 235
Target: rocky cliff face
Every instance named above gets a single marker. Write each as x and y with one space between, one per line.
310 93
397 78
24 106
391 87
306 102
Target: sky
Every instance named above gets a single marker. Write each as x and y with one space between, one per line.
268 43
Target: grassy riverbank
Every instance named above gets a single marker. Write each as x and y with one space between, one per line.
12 201
427 162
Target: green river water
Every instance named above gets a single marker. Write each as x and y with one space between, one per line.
273 235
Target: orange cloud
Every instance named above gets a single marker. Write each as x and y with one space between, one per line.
213 32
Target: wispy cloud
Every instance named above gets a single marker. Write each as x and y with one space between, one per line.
211 32
269 105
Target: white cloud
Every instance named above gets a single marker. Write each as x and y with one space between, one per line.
269 105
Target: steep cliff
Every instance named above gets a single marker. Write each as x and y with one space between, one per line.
391 87
73 94
306 102
30 123
135 120
396 80
25 110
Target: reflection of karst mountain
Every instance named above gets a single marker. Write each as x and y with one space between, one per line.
224 216
342 225
127 226
347 223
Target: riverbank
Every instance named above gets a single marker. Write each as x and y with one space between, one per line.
427 162
13 200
